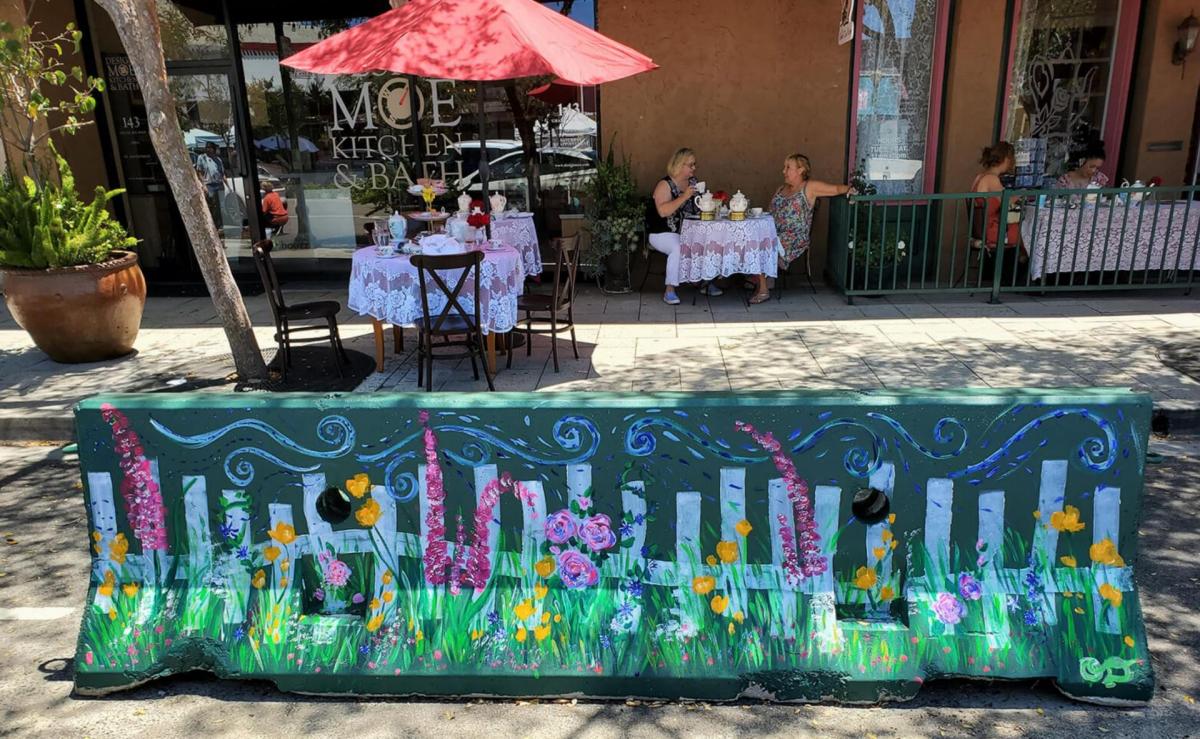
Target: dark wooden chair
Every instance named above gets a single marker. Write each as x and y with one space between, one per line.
305 314
458 328
547 309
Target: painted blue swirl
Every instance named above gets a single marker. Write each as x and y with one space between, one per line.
641 442
336 430
1095 453
858 461
944 432
242 473
575 435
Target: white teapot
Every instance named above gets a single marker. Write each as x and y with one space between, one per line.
706 203
464 203
1135 197
739 202
498 202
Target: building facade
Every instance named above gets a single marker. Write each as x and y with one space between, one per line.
907 91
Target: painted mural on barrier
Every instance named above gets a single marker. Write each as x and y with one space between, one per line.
652 544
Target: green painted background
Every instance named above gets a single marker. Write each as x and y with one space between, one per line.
1048 590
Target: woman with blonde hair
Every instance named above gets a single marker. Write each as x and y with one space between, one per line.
792 207
672 199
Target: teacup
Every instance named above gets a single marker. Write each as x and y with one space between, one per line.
385 250
755 212
701 187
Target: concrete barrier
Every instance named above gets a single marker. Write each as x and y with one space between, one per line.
796 546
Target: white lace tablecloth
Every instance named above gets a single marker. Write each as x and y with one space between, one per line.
712 249
388 289
1120 237
517 231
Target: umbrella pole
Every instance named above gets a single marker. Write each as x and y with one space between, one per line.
483 161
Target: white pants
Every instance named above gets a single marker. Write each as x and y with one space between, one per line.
668 243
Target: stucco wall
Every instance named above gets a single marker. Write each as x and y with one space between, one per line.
743 84
972 84
1164 97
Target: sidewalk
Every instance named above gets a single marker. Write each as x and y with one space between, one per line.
809 339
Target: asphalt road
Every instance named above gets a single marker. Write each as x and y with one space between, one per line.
43 566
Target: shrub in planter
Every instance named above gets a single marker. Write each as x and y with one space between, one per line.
614 217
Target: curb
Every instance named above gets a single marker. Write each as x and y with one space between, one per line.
1167 416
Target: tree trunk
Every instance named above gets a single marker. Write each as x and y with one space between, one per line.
529 147
137 24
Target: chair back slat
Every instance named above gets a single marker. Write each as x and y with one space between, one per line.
266 272
566 267
433 265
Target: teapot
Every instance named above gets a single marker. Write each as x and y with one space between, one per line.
1135 197
706 202
464 203
739 202
497 202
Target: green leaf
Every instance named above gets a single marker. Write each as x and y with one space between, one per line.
77 73
99 84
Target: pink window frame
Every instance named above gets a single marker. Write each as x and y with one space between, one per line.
1119 80
936 83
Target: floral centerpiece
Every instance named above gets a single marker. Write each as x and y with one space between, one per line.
478 219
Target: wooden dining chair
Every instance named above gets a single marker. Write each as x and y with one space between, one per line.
287 316
459 329
548 309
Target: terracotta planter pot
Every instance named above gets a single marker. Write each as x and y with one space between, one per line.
79 314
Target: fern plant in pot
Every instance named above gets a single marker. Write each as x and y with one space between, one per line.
614 218
69 279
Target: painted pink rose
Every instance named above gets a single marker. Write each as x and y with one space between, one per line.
576 570
948 609
561 526
597 533
337 573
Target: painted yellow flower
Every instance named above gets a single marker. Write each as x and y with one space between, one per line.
96 536
259 580
732 628
374 604
283 581
1079 610
521 634
893 543
1068 560
1067 594
358 485
420 635
540 590
886 593
727 551
375 622
1066 520
541 632
272 552
110 580
879 552
1111 594
886 535
369 514
711 560
387 596
130 589
283 566
1105 552
545 617
891 518
524 609
739 616
1037 515
284 533
703 585
743 527
719 603
544 566
112 614
476 634
557 618
118 548
864 578
387 577
1129 641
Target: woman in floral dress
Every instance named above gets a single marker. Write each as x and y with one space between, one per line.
792 208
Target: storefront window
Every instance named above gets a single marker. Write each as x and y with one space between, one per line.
897 66
189 34
1060 81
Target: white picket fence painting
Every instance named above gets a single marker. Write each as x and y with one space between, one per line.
678 572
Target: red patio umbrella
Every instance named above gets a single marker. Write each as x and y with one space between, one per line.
561 92
476 41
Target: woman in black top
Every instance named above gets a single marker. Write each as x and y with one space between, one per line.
673 198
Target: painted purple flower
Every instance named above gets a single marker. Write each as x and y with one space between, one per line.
560 526
948 609
576 570
597 533
969 588
337 573
319 594
358 598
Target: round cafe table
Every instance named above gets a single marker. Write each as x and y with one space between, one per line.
389 291
720 248
516 230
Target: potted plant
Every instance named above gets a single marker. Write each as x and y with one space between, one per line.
68 279
614 217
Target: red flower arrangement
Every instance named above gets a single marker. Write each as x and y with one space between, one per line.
1155 182
478 220
723 196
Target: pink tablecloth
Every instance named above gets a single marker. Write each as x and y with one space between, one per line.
712 249
387 288
517 230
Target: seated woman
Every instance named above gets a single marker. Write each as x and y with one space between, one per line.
672 199
1088 162
996 160
792 208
